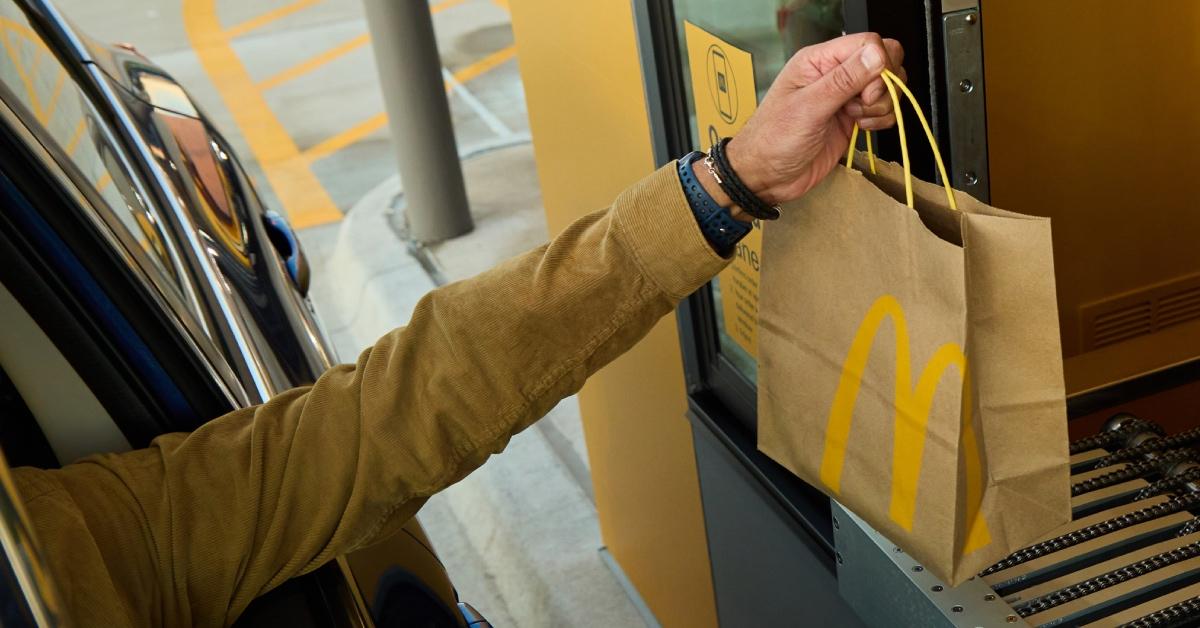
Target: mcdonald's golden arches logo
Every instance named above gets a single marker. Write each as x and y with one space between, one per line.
913 405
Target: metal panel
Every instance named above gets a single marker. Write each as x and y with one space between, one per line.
952 6
766 569
888 588
966 113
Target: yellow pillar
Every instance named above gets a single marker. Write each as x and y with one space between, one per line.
591 138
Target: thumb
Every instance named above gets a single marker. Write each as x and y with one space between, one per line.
845 81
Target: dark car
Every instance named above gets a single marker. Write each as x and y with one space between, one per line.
145 288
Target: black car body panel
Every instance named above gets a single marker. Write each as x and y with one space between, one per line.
155 267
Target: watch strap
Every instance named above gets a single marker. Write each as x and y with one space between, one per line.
721 229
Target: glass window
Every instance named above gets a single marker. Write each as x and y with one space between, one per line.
32 72
771 31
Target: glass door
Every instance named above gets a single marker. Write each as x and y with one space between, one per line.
712 62
770 31
708 65
721 59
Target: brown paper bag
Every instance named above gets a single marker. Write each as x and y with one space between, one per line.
910 366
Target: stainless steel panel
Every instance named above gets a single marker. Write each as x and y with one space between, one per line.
887 588
966 111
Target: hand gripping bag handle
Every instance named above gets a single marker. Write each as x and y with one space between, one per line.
891 81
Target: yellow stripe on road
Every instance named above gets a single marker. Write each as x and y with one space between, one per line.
301 194
333 144
485 64
285 167
313 63
305 67
266 18
337 142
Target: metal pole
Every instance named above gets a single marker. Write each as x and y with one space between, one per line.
410 75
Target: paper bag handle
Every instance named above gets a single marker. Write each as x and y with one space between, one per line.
891 81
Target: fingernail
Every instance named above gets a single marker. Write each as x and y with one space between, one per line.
872 59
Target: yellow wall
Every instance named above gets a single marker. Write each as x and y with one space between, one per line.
591 138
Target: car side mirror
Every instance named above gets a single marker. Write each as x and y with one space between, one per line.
284 239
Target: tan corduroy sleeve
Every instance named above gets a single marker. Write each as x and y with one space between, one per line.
193 528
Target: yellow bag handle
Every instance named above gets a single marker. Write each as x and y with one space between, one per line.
891 81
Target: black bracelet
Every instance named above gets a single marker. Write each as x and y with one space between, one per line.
733 186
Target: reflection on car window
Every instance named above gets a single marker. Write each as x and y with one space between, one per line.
40 82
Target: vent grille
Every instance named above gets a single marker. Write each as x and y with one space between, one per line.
1140 313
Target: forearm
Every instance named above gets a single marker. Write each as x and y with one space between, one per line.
259 496
482 359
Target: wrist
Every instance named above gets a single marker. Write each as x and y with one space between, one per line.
746 168
710 185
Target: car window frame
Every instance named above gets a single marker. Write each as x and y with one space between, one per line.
179 281
186 326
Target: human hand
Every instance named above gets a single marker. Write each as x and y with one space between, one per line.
802 127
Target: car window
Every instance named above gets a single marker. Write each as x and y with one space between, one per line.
33 73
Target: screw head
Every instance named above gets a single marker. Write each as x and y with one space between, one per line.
972 18
970 178
956 609
918 568
989 597
966 86
1012 619
937 588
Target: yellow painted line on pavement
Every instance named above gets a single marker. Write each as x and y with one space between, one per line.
238 30
337 142
357 132
305 67
301 194
485 64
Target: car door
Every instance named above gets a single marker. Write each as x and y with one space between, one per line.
198 330
248 267
57 132
86 250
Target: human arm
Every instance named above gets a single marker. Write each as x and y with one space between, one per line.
193 528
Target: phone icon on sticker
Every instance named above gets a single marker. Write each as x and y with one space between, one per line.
722 84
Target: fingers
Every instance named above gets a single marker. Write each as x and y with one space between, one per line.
857 109
878 123
837 50
846 80
876 91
